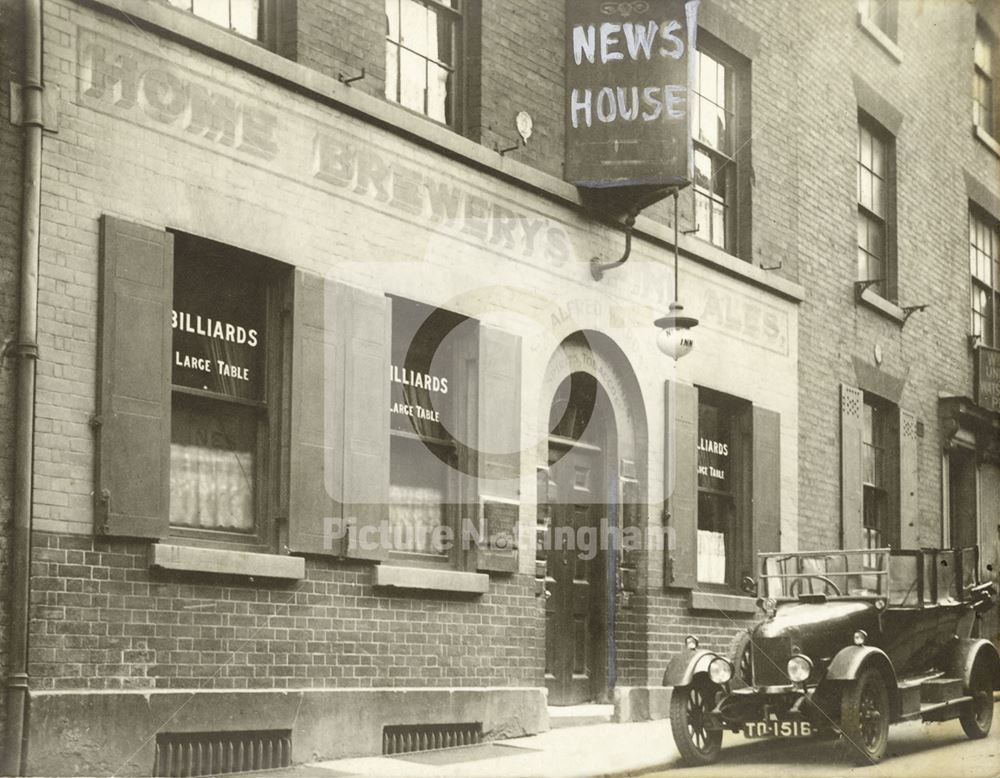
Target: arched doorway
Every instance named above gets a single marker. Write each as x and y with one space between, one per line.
581 486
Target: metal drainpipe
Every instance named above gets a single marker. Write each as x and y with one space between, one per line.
26 350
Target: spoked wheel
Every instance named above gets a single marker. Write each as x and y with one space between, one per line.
689 721
864 718
977 718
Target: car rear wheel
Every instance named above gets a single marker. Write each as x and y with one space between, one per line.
689 710
864 718
977 717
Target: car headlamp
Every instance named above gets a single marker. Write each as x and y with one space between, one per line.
770 606
720 671
799 668
691 642
860 637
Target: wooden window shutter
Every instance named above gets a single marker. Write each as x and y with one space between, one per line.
499 443
766 481
909 509
339 460
681 483
133 423
852 402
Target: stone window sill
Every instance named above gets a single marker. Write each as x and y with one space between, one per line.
727 603
428 578
879 304
987 140
225 562
883 40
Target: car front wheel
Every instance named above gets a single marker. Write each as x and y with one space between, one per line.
689 721
977 717
864 718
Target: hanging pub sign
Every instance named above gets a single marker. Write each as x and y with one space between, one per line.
217 320
628 70
988 378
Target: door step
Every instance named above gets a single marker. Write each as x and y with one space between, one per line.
579 715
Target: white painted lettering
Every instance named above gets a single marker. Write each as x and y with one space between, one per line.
583 43
609 38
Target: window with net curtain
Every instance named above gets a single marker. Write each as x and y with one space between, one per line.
433 375
219 409
421 58
719 520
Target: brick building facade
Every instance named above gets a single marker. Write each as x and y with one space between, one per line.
220 504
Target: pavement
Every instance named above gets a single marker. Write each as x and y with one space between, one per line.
587 751
603 750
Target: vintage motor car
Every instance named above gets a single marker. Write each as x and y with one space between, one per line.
849 642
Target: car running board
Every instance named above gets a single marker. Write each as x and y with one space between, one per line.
937 711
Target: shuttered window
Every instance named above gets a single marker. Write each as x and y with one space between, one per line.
723 484
879 472
133 420
184 429
381 455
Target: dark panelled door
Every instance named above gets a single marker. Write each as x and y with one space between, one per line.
573 624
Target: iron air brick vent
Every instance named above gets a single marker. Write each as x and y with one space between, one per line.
179 755
407 738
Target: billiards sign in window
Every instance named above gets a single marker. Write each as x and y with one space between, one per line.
432 420
219 390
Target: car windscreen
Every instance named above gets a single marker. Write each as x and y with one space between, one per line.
862 573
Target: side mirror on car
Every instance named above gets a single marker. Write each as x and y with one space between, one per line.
748 585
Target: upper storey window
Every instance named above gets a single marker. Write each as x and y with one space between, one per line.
984 83
715 172
875 207
245 17
421 57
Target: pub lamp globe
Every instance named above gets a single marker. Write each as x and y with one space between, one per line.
675 338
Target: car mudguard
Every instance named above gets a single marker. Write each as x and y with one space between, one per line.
683 667
967 653
847 664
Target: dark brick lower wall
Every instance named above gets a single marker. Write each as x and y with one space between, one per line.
671 618
101 619
653 627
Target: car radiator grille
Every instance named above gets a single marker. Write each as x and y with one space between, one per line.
770 657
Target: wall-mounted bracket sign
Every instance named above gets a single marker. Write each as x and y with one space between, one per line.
628 70
988 378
